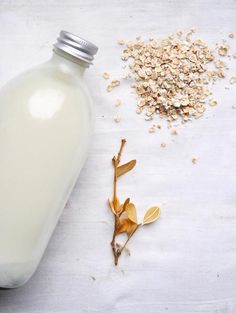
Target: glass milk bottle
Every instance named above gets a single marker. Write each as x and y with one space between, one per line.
46 120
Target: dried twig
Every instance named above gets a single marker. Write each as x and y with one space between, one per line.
130 224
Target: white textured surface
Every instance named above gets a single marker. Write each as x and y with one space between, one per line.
186 262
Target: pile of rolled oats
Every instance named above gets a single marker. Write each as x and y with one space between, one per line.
172 75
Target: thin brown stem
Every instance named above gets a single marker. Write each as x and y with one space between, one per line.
116 248
115 179
125 244
113 243
123 141
115 162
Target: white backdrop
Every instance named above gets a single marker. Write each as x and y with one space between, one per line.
185 262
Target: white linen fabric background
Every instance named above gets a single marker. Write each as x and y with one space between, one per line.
185 262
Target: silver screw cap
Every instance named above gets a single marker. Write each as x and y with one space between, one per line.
76 46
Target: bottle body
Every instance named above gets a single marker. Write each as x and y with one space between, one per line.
45 126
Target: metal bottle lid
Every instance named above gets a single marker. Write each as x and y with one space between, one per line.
76 46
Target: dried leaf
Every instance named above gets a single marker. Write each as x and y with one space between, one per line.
123 169
123 206
131 212
126 202
151 215
122 226
110 203
126 225
114 205
125 215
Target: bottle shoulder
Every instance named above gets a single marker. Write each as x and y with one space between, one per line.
45 88
47 76
49 70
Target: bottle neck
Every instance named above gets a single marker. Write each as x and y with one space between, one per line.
68 63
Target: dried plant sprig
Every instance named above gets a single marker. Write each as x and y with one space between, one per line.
125 215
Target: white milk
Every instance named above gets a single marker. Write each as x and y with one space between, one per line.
45 127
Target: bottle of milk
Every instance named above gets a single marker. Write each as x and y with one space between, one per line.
46 118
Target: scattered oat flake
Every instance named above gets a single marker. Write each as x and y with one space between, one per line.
158 126
212 102
114 83
118 102
174 132
152 129
219 64
106 75
231 35
120 42
117 119
232 80
171 76
163 144
223 50
109 88
194 160
148 118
